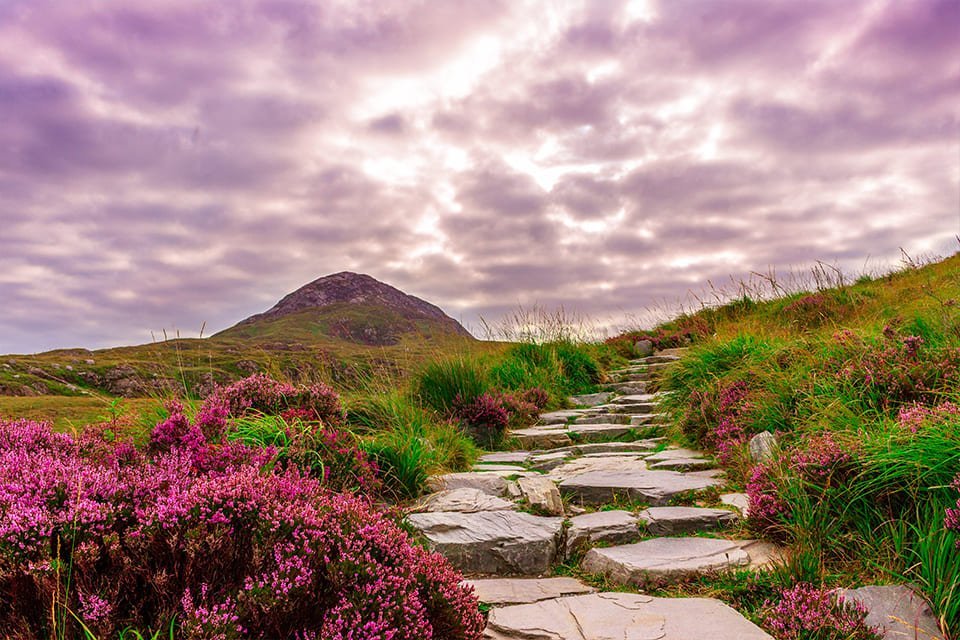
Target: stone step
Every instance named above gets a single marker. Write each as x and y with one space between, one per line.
488 482
624 463
676 351
660 560
463 500
604 418
598 432
498 592
597 488
625 387
670 521
492 542
505 457
537 438
636 398
560 417
649 419
625 616
600 527
590 399
634 377
659 359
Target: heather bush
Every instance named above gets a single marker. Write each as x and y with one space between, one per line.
214 537
806 612
262 394
952 519
768 510
485 419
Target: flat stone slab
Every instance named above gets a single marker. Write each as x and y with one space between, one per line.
591 399
492 542
505 457
635 398
538 438
666 521
464 500
635 408
683 464
555 417
675 454
542 495
621 616
610 527
488 482
656 487
499 468
506 591
548 461
625 463
604 418
593 432
670 558
900 613
618 447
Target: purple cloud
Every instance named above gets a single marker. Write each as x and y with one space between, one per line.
168 163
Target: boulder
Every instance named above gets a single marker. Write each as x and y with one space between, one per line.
763 447
541 494
643 348
492 542
739 501
504 457
621 616
900 613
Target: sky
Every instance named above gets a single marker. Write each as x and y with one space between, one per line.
170 164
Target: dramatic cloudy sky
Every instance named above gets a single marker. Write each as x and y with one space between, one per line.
165 163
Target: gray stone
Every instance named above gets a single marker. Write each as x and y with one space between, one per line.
675 454
611 527
542 495
635 408
548 461
660 358
490 483
664 558
504 457
499 469
590 399
559 417
667 521
617 462
621 616
635 399
505 591
656 487
676 351
536 438
683 464
619 447
463 500
763 447
643 348
604 418
898 611
739 501
492 542
593 432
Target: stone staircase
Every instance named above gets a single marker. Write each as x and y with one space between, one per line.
597 485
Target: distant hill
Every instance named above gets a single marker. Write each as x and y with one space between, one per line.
349 306
344 328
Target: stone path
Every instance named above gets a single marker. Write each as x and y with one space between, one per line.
595 484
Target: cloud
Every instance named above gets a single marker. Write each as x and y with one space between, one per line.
169 163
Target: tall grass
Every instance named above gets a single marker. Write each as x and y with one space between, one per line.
442 384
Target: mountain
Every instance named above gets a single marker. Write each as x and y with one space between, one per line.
346 328
350 306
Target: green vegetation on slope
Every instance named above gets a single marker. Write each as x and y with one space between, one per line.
861 385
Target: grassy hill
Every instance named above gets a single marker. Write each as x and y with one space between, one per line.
860 384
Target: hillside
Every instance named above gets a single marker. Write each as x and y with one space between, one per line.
343 328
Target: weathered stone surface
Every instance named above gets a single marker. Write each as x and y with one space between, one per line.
660 358
490 483
505 457
604 418
548 461
626 387
763 447
592 432
676 351
464 500
499 469
619 447
611 527
648 419
666 521
674 454
625 463
683 464
506 591
656 487
898 611
590 399
558 417
643 348
621 616
541 494
635 399
660 558
739 501
492 542
634 408
534 438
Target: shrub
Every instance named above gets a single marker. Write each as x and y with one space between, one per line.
485 419
806 612
822 460
260 393
558 368
766 508
441 385
228 549
952 519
